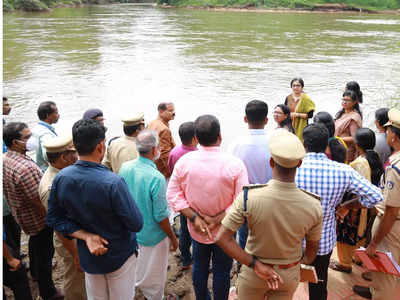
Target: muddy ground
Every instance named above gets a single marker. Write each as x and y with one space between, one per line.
179 282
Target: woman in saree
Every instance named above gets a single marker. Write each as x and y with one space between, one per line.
354 225
348 121
301 106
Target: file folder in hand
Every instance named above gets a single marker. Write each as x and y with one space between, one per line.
383 262
308 274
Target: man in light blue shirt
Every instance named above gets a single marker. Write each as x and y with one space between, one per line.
48 114
253 150
148 187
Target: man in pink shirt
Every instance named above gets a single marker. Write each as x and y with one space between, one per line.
189 143
202 187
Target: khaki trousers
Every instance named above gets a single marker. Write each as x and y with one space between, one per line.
250 287
387 287
345 253
74 281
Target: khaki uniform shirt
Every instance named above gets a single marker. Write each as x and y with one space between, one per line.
120 150
279 216
45 184
166 145
44 192
391 185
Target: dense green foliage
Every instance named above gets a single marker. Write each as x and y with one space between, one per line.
370 4
40 5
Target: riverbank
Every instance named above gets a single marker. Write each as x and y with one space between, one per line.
46 5
365 6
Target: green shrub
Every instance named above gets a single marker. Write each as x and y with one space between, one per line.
31 5
7 6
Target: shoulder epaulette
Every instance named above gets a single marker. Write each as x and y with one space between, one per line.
311 194
254 186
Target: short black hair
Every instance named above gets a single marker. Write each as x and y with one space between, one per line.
207 129
53 156
186 132
131 129
45 108
300 80
12 131
315 138
163 106
325 118
395 130
5 99
87 134
338 150
256 112
381 116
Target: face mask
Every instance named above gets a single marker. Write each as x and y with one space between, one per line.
31 144
157 155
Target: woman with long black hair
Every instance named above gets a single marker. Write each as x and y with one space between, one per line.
354 228
282 117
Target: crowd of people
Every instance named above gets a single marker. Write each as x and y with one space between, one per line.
272 202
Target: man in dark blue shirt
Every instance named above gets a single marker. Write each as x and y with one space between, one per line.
89 202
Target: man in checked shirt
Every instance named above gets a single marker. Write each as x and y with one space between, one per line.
21 178
330 180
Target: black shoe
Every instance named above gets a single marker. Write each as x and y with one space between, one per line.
362 291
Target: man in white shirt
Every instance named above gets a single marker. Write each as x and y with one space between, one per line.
48 114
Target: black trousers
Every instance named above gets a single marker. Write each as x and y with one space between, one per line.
41 252
319 291
13 235
17 281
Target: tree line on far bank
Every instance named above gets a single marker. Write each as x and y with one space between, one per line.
41 5
301 4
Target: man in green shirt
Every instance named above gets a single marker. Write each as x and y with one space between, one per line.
148 187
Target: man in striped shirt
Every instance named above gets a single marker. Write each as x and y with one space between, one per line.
330 180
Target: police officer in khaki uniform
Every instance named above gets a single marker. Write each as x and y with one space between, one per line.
386 228
61 153
123 149
279 216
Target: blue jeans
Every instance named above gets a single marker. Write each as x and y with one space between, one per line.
184 242
221 265
243 233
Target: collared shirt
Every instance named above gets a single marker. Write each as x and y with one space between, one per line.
390 185
119 151
177 153
166 145
267 206
89 196
148 187
40 133
330 180
207 181
253 150
45 184
21 178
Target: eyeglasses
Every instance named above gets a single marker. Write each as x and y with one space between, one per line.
296 85
347 101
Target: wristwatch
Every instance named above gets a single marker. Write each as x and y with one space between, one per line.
253 262
192 218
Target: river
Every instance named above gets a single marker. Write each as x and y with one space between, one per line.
127 58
